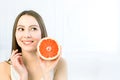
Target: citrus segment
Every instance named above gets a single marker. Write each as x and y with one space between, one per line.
48 48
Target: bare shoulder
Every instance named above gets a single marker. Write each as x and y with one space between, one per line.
4 70
62 64
4 65
61 70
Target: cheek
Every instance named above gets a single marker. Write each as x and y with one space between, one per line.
18 36
37 36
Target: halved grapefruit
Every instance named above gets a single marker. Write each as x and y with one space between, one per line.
48 48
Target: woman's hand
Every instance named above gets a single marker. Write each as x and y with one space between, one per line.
17 63
48 66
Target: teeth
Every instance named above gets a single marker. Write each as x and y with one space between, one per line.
27 42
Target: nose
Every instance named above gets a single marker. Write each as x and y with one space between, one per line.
27 34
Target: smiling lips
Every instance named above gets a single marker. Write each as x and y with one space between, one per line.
27 42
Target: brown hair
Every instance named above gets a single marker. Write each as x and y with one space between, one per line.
39 20
41 25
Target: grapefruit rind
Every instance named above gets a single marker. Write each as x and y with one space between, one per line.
48 58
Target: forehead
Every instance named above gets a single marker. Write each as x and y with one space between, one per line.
27 20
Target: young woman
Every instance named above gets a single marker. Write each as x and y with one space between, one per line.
24 63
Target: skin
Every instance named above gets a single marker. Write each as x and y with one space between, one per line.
28 64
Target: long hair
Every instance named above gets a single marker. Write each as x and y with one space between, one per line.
39 20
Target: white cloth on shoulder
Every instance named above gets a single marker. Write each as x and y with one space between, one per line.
15 76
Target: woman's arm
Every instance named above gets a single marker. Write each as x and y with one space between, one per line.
4 71
61 70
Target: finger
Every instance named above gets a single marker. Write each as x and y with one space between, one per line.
60 49
57 59
14 52
14 58
17 60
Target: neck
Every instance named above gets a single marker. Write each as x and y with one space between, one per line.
29 57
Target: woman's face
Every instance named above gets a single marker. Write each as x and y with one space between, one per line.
28 33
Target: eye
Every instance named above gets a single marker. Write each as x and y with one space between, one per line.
34 29
20 29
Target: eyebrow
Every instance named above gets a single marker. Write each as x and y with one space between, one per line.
20 26
34 25
29 26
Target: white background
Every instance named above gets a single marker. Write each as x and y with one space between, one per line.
88 31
